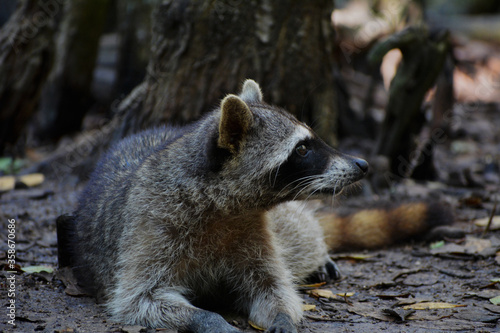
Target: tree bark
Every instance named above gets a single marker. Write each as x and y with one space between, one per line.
67 98
134 28
26 56
202 50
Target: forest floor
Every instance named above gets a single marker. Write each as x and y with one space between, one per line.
452 286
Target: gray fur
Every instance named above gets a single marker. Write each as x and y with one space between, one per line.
251 92
174 214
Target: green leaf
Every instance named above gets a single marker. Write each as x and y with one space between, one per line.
495 300
437 245
38 269
8 166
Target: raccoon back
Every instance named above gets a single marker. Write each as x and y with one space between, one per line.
104 199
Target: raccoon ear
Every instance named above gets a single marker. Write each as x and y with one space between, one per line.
251 91
236 119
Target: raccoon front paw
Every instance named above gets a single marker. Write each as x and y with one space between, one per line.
282 324
326 273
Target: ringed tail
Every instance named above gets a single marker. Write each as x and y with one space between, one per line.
382 226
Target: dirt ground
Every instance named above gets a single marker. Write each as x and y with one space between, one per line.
417 286
450 286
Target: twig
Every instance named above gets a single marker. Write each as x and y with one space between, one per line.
493 211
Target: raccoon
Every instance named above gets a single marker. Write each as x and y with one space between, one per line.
174 216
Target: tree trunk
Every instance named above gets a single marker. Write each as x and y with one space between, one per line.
67 98
26 56
202 50
134 28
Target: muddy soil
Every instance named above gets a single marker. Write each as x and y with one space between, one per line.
448 286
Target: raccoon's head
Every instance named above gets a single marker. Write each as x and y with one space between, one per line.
275 153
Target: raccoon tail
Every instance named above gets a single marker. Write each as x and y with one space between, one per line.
65 227
69 259
382 226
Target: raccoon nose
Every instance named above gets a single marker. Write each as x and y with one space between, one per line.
362 164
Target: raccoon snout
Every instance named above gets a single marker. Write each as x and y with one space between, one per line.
358 168
362 165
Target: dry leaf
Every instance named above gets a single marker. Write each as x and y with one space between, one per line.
472 245
398 314
354 256
477 245
325 293
258 328
433 305
368 310
495 223
308 307
314 285
33 179
7 183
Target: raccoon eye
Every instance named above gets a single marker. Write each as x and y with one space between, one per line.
302 150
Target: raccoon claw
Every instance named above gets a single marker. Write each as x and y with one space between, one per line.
282 324
333 270
326 273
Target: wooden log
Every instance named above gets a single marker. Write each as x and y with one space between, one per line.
423 58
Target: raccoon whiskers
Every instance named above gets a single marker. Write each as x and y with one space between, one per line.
334 194
297 184
305 188
300 193
273 183
290 189
311 194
